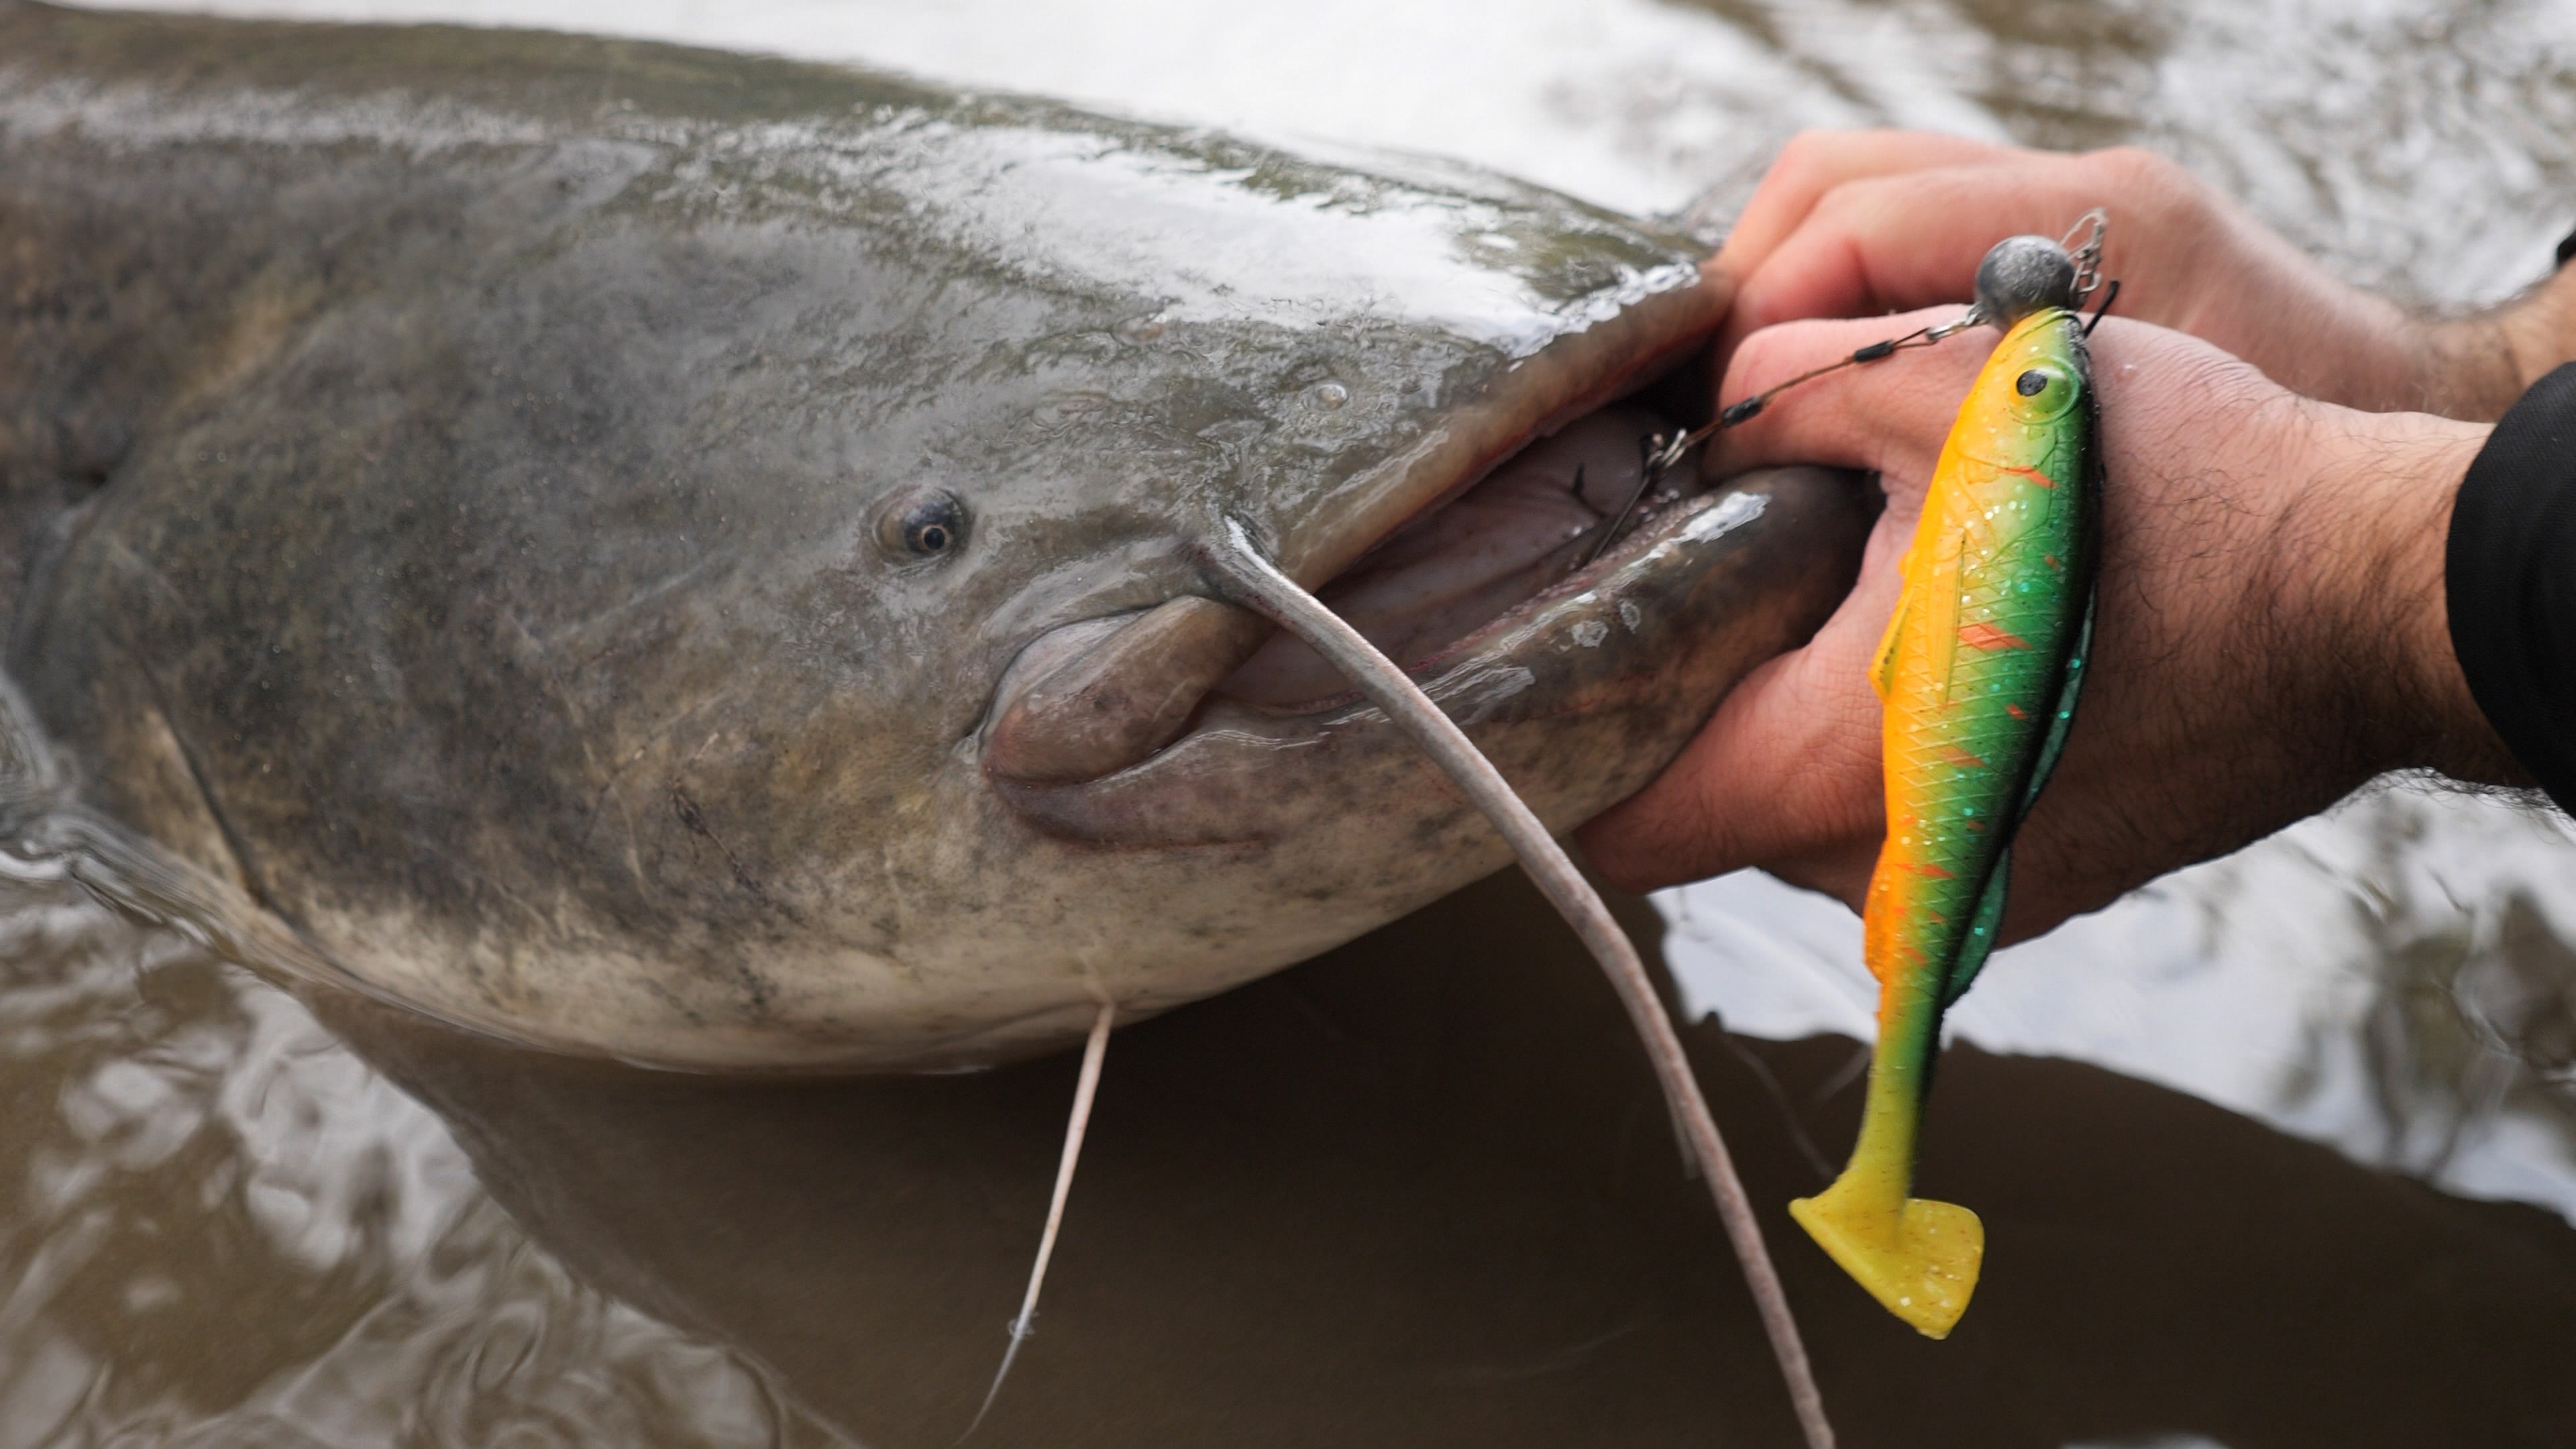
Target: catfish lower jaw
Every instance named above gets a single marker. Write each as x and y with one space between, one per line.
1579 695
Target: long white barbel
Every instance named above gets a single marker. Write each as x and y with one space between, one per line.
1085 1087
1261 585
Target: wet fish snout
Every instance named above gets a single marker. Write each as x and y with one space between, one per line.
1093 698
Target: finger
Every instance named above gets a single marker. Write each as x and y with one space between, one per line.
1895 243
1814 163
1887 417
1784 776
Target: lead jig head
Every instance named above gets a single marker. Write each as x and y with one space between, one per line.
2022 275
2019 275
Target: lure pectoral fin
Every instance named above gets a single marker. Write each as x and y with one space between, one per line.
1882 671
1978 674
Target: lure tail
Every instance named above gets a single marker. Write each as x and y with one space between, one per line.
1917 1257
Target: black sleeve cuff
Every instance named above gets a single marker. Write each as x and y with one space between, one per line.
2510 576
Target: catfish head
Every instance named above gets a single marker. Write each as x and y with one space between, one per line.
705 560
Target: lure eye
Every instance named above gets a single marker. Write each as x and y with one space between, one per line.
920 524
2041 393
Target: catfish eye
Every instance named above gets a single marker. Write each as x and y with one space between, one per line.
921 523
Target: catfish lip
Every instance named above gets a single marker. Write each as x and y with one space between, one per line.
1059 719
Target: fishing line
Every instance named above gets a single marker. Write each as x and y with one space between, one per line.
1664 452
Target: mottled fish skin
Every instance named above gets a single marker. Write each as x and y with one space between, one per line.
1978 673
445 493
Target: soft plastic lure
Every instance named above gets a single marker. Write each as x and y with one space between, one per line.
1978 671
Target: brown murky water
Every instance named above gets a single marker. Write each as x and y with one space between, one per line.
1420 1191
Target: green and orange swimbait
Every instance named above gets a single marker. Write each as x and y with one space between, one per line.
1978 673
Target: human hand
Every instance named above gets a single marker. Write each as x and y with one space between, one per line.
1856 223
2272 628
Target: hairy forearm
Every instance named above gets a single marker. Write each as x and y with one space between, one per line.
2474 366
2378 608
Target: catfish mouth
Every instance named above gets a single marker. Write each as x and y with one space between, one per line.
1426 591
1515 496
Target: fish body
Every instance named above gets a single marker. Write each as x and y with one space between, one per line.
1978 672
